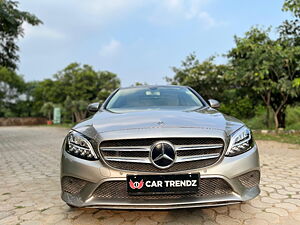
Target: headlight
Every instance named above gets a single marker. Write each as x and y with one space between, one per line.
241 141
80 146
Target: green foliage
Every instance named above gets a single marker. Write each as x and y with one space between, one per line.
296 82
206 78
139 84
269 68
11 21
293 118
74 110
11 87
239 107
259 67
258 121
214 81
47 109
84 83
73 89
289 30
293 6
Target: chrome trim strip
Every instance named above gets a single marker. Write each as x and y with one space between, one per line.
197 157
128 159
126 149
199 147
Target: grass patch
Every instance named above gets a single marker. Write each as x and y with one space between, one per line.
63 125
19 207
258 122
7 193
284 138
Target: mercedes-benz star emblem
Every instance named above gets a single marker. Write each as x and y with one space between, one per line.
162 154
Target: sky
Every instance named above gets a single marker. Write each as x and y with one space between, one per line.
139 40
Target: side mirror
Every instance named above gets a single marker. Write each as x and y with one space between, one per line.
214 103
94 107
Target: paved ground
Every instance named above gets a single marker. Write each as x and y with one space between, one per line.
29 188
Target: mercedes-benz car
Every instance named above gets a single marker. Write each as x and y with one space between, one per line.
158 147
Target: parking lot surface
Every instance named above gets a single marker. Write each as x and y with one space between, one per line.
30 189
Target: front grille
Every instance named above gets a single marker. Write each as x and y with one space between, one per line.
150 141
250 179
134 154
208 187
72 185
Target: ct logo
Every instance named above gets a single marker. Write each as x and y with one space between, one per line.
136 184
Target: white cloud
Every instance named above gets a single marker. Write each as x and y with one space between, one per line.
42 31
172 5
104 7
171 11
206 19
110 49
73 15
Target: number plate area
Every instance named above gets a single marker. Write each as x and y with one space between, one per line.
162 184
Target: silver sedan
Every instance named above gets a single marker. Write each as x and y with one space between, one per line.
158 147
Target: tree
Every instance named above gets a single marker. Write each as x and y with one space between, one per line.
206 77
75 109
139 84
290 29
269 67
293 6
79 109
47 110
11 21
12 86
213 81
84 83
40 92
73 88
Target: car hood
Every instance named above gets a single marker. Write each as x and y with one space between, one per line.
207 118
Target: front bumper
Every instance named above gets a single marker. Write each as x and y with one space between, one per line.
93 174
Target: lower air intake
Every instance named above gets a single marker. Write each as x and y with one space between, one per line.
208 187
72 185
250 179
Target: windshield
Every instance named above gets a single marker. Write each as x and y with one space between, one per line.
153 98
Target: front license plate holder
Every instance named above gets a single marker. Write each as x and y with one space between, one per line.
162 184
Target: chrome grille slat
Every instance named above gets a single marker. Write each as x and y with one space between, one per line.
196 157
198 147
127 159
133 154
127 149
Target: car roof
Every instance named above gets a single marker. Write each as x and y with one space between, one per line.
153 86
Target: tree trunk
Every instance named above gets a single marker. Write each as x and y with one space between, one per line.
276 120
77 116
279 114
268 117
268 109
83 115
281 118
267 99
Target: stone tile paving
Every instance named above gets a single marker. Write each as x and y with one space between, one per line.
30 191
